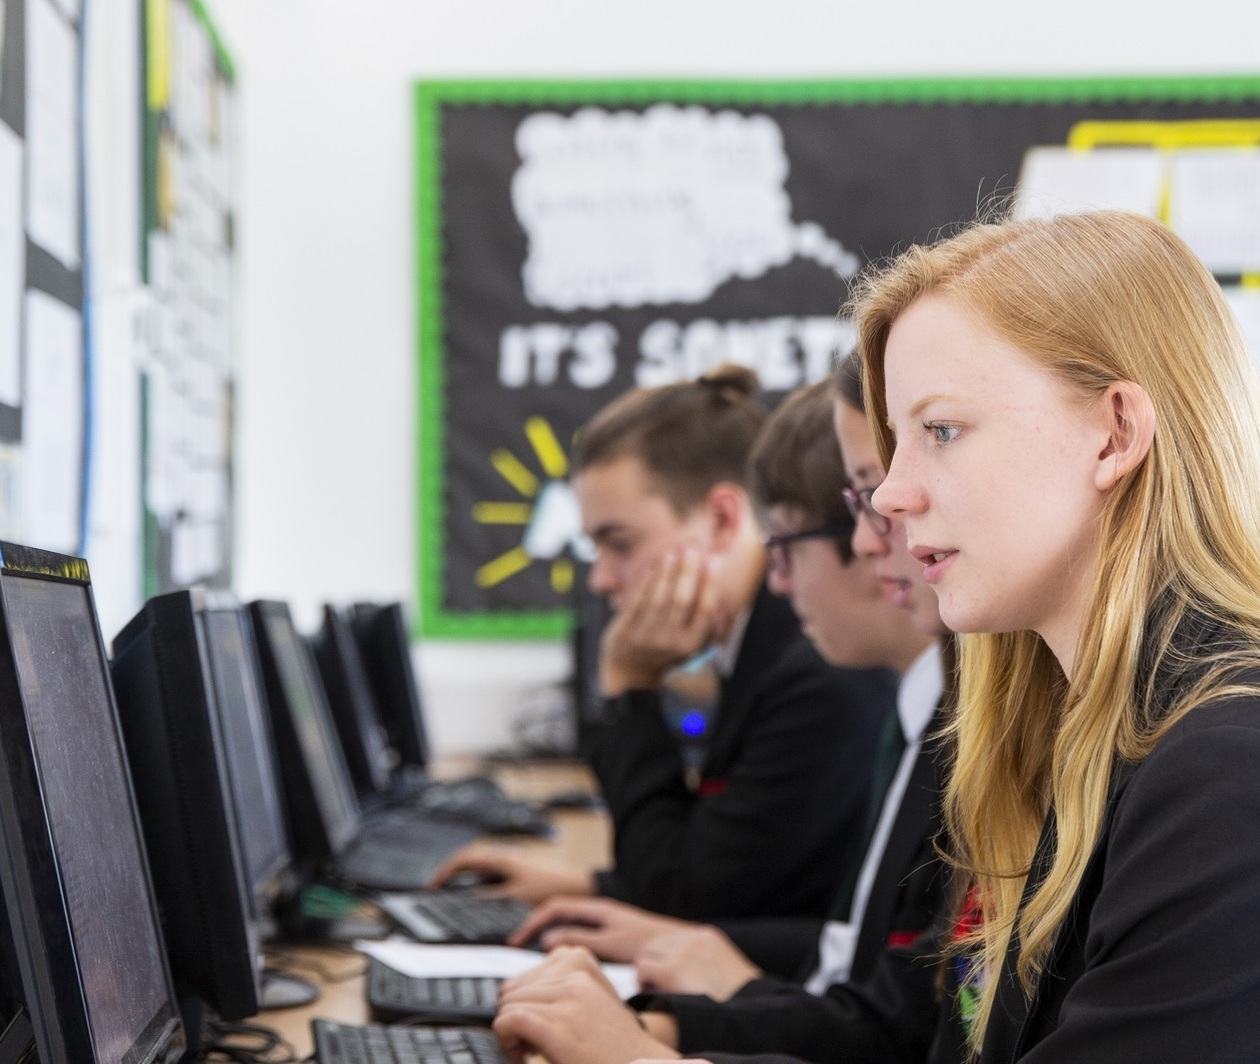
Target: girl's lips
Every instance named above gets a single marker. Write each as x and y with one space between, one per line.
934 570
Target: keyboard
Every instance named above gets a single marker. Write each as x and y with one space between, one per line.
455 916
337 1043
400 852
480 802
454 999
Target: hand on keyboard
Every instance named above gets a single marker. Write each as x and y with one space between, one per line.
612 930
566 1010
523 878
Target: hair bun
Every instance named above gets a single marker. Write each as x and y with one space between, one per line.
732 377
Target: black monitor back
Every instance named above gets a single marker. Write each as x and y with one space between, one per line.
178 753
381 632
322 811
353 704
86 956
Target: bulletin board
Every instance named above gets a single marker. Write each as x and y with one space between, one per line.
44 400
575 239
188 264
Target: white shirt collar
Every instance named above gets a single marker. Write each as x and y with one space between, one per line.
727 652
919 692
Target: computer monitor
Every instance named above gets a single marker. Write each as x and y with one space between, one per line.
85 947
323 813
353 704
381 632
177 749
251 759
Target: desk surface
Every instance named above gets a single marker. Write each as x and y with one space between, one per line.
582 839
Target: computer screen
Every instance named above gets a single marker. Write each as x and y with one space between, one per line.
83 777
381 632
353 704
251 761
311 720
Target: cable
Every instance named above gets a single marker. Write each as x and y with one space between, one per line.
286 958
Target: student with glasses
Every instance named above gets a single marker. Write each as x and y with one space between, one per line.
1072 429
705 993
775 825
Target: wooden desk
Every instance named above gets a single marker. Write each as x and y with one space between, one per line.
583 839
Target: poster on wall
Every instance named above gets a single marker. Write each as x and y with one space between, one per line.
188 257
43 355
576 239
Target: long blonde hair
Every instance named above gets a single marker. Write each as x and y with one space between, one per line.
1096 298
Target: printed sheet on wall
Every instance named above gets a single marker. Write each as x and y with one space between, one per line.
43 399
188 263
579 239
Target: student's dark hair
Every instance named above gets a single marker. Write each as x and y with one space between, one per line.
796 462
846 381
689 436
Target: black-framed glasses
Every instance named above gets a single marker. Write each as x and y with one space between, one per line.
778 548
859 502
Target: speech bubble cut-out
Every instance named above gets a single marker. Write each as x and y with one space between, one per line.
633 208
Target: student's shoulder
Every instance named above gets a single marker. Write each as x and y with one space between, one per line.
1215 745
1232 706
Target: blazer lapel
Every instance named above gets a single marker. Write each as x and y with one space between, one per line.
771 627
916 817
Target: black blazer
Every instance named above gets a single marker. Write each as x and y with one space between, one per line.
786 778
907 895
1159 959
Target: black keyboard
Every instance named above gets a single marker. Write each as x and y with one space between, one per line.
481 802
456 916
400 852
337 1043
453 999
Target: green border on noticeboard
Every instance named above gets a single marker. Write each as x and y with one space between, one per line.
430 96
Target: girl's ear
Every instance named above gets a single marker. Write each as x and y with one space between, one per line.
1129 417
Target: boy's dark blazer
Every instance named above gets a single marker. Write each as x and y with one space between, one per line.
775 824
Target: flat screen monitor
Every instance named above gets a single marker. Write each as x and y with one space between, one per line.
78 900
251 760
353 704
381 632
323 813
177 747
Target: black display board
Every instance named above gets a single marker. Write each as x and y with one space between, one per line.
578 239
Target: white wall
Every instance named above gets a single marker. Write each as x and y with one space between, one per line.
326 496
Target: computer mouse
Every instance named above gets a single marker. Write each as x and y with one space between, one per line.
575 799
469 880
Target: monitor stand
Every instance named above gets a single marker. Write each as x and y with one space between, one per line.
280 990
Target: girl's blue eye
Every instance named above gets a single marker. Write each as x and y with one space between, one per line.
942 433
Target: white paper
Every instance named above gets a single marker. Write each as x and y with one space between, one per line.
71 8
1054 180
1245 303
52 117
10 496
1215 207
12 262
420 960
52 424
